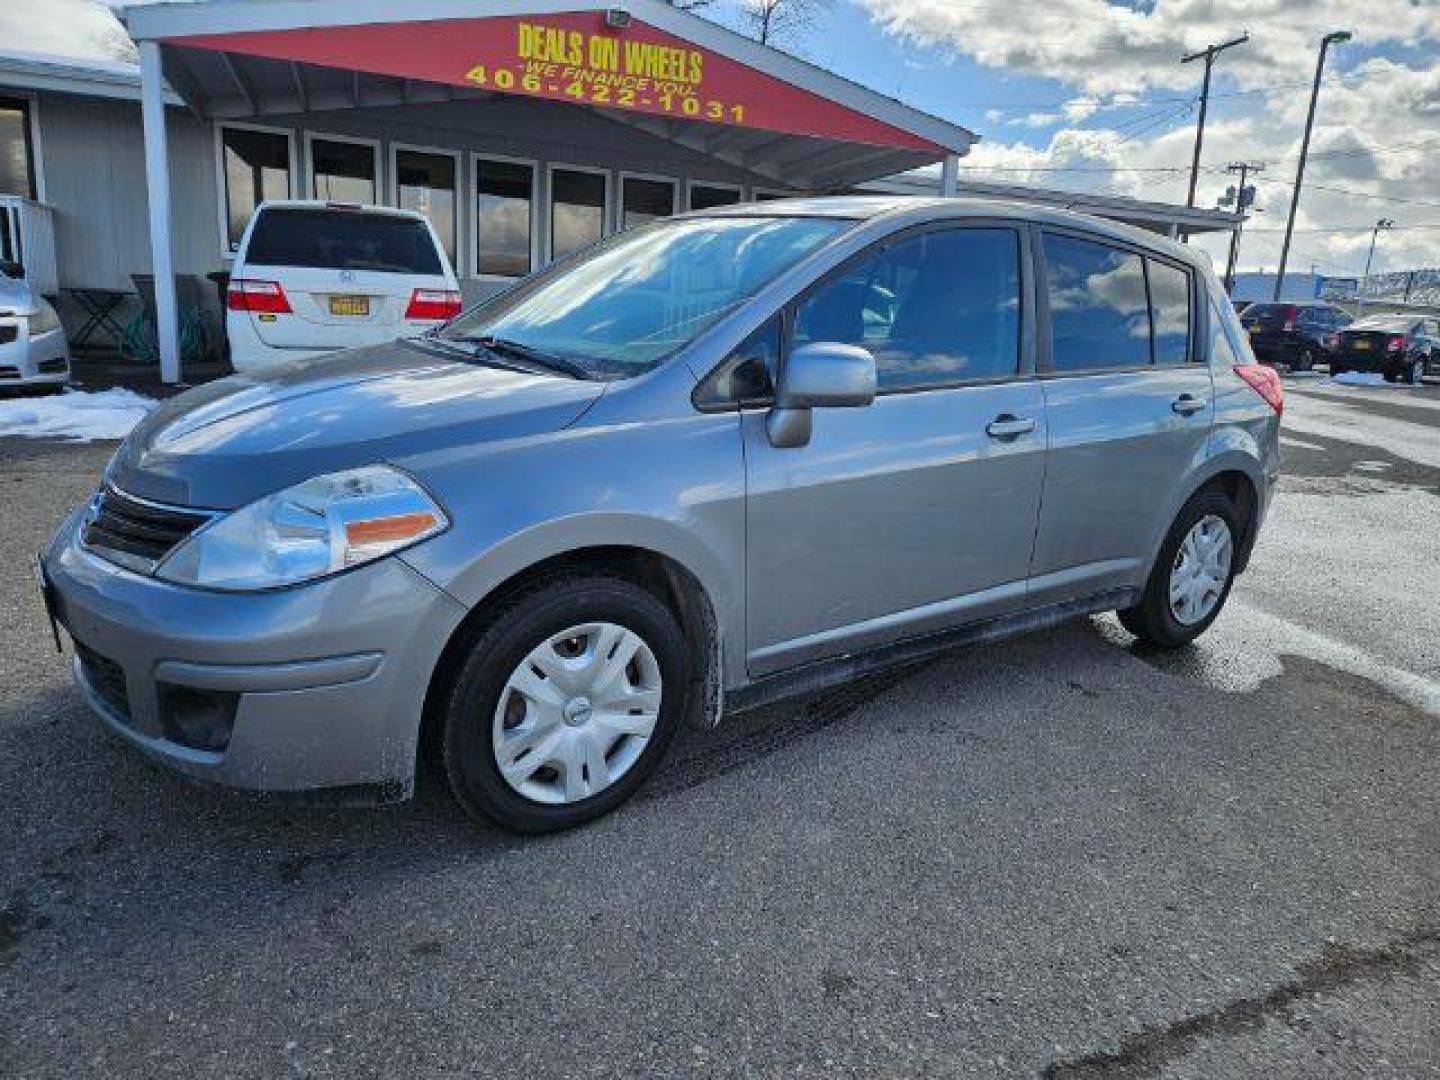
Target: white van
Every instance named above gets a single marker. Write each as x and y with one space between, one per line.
313 277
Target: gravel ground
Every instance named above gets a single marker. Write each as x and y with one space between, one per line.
1058 856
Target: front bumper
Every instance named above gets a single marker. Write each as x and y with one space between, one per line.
326 681
31 361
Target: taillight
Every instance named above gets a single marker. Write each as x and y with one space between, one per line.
1396 344
433 304
251 294
1265 382
1292 316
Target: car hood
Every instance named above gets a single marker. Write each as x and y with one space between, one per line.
227 443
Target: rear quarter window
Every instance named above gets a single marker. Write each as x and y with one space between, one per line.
342 240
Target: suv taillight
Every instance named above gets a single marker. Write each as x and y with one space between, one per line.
1396 344
433 304
1265 382
254 295
1292 317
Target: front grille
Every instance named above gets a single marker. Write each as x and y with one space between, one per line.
54 366
8 334
106 678
137 534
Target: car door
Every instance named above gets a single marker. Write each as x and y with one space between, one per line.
1129 403
918 511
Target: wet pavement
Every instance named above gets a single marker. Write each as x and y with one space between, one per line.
1061 856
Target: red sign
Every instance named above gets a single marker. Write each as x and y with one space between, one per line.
575 58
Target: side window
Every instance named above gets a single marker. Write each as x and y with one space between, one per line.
935 309
747 376
1099 314
1220 350
1170 312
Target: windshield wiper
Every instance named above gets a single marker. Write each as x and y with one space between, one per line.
548 361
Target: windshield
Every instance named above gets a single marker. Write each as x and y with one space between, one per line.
327 239
625 305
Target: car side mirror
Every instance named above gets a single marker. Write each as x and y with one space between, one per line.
825 375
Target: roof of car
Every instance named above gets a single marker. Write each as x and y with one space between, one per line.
337 206
913 209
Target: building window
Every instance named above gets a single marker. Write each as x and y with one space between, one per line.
504 201
426 183
708 196
342 171
577 209
17 162
257 167
644 199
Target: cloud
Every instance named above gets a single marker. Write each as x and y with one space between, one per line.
82 28
1377 132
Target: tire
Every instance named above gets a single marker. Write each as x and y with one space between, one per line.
1304 362
1391 375
1154 620
474 724
1337 369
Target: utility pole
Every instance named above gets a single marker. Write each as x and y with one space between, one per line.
1208 55
1334 38
1243 197
1383 223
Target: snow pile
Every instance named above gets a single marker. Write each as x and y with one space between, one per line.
75 414
1360 378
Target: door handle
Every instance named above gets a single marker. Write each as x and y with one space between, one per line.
1186 404
1006 426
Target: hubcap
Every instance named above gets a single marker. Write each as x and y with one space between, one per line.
1202 567
577 713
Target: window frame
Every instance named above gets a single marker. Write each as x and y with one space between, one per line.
1025 360
1045 367
657 178
538 202
222 192
393 191
759 193
607 216
29 106
719 185
309 139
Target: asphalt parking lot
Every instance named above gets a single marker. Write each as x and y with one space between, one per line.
1055 857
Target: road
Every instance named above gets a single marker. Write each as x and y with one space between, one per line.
1058 857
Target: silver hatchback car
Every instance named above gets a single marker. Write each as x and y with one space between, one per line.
719 459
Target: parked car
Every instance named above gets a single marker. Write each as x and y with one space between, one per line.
33 350
314 277
1292 335
702 465
1400 347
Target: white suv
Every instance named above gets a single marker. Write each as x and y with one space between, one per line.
313 277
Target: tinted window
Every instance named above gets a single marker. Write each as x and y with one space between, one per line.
504 193
426 183
1170 312
936 309
704 196
645 200
747 376
257 167
342 171
1098 308
577 210
621 308
342 240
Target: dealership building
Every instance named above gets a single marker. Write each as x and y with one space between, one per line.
521 130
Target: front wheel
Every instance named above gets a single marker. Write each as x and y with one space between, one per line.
1304 362
564 703
1191 579
1416 373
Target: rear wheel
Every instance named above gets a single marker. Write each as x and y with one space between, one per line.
564 704
1304 362
1191 579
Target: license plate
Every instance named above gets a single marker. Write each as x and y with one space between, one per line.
350 305
47 597
1361 345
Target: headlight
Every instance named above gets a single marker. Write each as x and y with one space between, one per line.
43 319
316 528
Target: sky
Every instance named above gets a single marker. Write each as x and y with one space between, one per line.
1088 95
